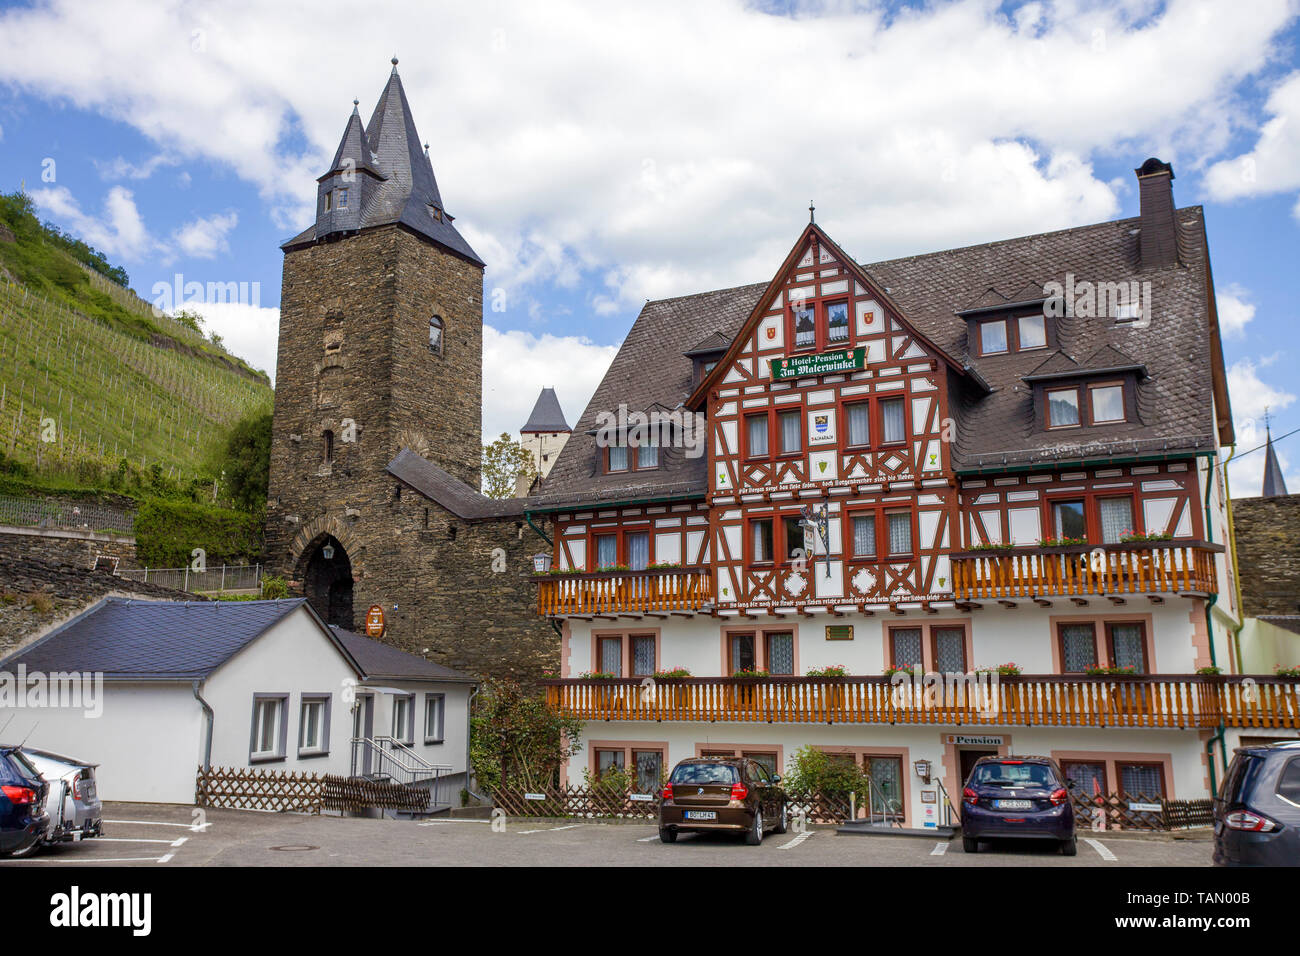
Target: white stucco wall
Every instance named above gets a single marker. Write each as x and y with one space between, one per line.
147 741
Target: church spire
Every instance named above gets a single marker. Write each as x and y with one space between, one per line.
1274 483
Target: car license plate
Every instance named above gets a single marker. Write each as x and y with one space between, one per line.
701 815
1014 804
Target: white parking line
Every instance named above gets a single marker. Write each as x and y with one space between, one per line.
939 849
571 826
129 840
166 857
196 827
1101 849
795 841
647 839
439 823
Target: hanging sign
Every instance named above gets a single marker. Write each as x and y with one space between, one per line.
822 363
375 621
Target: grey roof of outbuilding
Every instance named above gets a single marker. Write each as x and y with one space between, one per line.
408 194
1289 622
127 639
547 416
449 491
994 429
380 661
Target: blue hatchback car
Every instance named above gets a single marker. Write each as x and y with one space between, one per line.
23 817
1015 798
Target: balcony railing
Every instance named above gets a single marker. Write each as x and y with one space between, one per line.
1176 701
1113 569
624 592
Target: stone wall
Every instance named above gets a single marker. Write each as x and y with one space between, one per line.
37 592
1268 553
80 549
354 347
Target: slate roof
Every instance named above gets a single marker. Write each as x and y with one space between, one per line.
547 416
380 661
1274 483
1288 622
449 491
127 639
999 428
408 193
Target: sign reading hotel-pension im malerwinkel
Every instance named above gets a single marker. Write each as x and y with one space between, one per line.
821 363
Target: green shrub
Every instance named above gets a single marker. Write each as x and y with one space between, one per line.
167 532
814 771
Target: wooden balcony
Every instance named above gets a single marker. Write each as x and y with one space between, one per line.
1112 570
603 593
1170 701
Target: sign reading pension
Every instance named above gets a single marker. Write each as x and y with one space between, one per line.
822 363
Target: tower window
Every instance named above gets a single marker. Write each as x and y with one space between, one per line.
435 334
328 197
328 449
343 199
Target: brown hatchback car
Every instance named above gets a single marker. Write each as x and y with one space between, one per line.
722 793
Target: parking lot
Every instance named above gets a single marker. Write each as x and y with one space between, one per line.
155 835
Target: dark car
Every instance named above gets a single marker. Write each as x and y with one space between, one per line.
23 817
1017 798
722 793
1257 809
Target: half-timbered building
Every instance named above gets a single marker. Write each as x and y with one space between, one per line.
790 501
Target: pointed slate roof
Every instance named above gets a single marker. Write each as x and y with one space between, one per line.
354 149
547 416
409 192
1274 483
715 342
1105 359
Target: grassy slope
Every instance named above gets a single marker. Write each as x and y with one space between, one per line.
116 380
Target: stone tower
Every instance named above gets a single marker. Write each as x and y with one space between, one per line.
376 445
545 432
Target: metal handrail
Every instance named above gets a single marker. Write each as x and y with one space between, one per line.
886 812
948 808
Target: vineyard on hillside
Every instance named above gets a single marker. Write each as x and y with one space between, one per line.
76 389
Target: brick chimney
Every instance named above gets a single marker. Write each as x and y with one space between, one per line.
1158 241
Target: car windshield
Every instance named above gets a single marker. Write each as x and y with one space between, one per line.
1014 775
23 766
705 773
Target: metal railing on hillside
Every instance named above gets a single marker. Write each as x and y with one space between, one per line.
224 577
65 515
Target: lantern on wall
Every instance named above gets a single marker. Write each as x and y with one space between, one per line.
541 563
327 552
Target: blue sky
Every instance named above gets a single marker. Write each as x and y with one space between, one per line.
597 157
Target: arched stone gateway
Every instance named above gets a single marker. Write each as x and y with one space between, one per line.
327 581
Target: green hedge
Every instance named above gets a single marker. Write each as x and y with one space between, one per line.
167 532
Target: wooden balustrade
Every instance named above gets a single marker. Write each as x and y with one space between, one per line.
624 592
1171 701
1135 568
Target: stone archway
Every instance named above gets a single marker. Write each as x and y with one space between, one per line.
327 582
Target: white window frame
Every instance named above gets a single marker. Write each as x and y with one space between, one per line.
407 733
280 731
430 700
323 701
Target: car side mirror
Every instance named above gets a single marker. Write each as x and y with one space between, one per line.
776 778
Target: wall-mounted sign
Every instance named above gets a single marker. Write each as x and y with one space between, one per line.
929 796
961 740
375 621
1144 807
822 363
821 426
839 632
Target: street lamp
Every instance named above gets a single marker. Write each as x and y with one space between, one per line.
327 552
541 563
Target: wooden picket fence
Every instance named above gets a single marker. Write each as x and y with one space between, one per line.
244 788
1115 811
597 802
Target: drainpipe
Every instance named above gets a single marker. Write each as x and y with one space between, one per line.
1236 571
469 712
207 737
528 516
1209 627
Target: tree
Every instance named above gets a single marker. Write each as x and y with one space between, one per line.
813 771
516 740
503 461
247 461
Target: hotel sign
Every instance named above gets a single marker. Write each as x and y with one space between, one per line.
375 621
984 740
822 363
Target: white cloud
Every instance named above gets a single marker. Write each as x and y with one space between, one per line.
1250 397
119 232
1234 311
677 144
1273 165
205 237
249 331
1246 474
121 168
517 365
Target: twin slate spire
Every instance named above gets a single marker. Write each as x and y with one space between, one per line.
382 175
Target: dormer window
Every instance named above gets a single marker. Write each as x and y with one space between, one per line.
1019 334
435 334
1107 403
1062 407
643 456
1100 403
